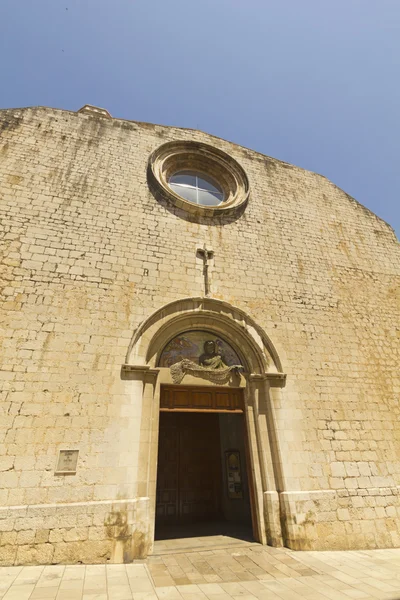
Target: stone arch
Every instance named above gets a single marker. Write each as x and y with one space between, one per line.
238 328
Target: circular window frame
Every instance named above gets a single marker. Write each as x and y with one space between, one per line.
173 157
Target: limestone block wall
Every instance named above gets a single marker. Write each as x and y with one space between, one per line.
79 532
87 253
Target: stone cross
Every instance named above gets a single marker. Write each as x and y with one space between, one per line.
206 255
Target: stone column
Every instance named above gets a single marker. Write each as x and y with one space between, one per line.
267 454
147 393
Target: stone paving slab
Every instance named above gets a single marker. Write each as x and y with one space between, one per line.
250 572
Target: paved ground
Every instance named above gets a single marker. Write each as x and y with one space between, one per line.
228 571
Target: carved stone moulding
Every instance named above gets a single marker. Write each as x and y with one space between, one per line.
173 157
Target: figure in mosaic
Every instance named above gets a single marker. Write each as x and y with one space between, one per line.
212 358
211 364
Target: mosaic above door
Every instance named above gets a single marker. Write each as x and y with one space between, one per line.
199 347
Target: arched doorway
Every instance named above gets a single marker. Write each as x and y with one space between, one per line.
259 381
204 485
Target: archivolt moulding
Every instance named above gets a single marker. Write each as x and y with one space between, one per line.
238 328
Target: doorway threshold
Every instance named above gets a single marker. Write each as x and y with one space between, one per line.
203 537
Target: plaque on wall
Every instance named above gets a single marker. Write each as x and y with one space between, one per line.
234 475
67 461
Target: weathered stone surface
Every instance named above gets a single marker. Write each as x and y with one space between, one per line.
88 253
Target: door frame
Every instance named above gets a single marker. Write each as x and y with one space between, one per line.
238 407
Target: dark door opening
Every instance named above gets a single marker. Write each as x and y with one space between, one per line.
202 482
189 474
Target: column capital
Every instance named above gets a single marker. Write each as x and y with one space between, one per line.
140 371
274 379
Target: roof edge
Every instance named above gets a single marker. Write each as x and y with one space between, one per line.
97 114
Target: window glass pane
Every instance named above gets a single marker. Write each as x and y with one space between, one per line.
188 193
196 188
207 198
204 183
184 177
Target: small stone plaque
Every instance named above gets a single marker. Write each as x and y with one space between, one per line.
67 461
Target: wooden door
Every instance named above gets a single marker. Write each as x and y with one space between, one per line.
189 468
210 399
167 502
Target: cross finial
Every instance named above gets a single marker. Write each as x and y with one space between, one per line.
206 255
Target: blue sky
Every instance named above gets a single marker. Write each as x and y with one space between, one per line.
312 82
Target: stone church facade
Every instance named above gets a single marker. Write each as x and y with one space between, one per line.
160 286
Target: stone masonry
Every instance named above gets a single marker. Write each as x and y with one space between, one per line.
88 253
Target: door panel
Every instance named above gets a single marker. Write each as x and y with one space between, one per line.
180 399
167 507
196 399
200 466
227 400
189 467
202 399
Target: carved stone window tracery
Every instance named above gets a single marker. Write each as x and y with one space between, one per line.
203 161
